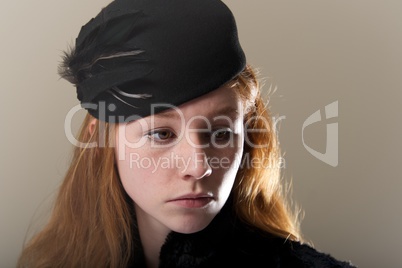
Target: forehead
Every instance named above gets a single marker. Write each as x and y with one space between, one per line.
224 100
223 103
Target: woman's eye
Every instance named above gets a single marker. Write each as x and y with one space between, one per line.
161 135
222 134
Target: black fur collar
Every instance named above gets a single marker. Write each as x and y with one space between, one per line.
227 242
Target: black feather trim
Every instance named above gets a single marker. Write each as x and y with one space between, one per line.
101 39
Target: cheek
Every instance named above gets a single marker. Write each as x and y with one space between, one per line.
130 178
137 176
231 169
225 164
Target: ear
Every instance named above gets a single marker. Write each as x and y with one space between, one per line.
92 126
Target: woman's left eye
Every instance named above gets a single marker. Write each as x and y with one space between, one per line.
223 134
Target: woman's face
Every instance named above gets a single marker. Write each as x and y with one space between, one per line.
179 166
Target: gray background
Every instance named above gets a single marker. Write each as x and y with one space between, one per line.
314 52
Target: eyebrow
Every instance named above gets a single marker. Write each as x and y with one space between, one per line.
229 111
226 110
167 114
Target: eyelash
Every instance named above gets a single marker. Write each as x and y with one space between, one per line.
227 134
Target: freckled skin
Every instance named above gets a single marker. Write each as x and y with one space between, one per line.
153 187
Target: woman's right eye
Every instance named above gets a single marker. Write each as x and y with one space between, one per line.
161 135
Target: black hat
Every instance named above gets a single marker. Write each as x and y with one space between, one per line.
138 53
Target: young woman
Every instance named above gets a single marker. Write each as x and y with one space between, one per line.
178 163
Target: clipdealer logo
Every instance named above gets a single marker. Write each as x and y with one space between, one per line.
330 156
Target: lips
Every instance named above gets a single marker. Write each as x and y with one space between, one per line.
192 200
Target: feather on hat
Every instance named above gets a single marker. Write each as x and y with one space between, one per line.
138 53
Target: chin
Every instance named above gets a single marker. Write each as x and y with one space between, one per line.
191 224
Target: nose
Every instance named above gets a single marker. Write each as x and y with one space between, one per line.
195 160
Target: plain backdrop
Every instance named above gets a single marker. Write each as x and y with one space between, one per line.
310 53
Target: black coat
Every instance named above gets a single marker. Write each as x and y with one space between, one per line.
227 242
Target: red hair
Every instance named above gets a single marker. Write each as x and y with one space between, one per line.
93 218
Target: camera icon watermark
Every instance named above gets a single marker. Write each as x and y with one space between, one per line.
330 156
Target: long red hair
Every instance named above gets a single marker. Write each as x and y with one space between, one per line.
93 218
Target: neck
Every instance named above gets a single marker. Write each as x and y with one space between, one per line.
152 236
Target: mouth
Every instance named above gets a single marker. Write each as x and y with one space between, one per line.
192 200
